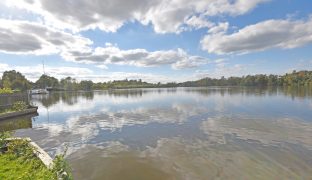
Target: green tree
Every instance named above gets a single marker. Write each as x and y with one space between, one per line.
69 84
46 81
15 80
86 85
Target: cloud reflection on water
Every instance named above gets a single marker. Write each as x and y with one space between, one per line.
266 131
192 133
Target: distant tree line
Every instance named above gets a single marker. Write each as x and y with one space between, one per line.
16 81
301 78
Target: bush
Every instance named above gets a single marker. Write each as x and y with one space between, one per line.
21 148
3 137
20 162
6 91
19 106
61 167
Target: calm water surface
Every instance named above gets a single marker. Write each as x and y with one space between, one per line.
179 133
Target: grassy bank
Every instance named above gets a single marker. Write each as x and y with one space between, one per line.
18 161
22 167
17 106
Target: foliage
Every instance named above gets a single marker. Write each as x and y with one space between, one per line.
46 81
118 84
19 106
302 78
21 149
15 80
6 91
86 85
14 167
69 84
23 122
61 167
20 162
3 137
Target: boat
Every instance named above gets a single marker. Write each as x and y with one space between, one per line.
54 89
38 91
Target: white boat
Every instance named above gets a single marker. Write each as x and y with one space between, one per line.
39 91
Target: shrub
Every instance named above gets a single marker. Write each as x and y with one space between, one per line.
6 91
19 106
21 148
20 162
61 167
3 137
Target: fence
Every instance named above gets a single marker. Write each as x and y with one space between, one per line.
7 100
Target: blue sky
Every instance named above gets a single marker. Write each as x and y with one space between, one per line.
155 40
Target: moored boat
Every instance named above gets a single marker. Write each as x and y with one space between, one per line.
38 91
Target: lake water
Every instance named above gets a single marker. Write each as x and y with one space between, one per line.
177 133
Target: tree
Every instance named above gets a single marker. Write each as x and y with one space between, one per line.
15 80
69 84
46 81
86 85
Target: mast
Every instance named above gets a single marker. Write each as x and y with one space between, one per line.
43 67
45 84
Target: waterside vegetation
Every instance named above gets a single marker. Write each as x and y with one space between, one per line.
16 81
18 161
6 91
17 106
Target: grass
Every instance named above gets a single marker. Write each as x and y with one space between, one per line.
6 91
17 106
16 123
7 111
15 167
18 162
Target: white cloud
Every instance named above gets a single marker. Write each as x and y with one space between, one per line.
284 34
102 66
220 28
109 15
190 62
222 68
147 77
111 54
302 64
22 37
171 16
3 67
198 22
34 72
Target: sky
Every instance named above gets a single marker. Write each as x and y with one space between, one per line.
154 40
